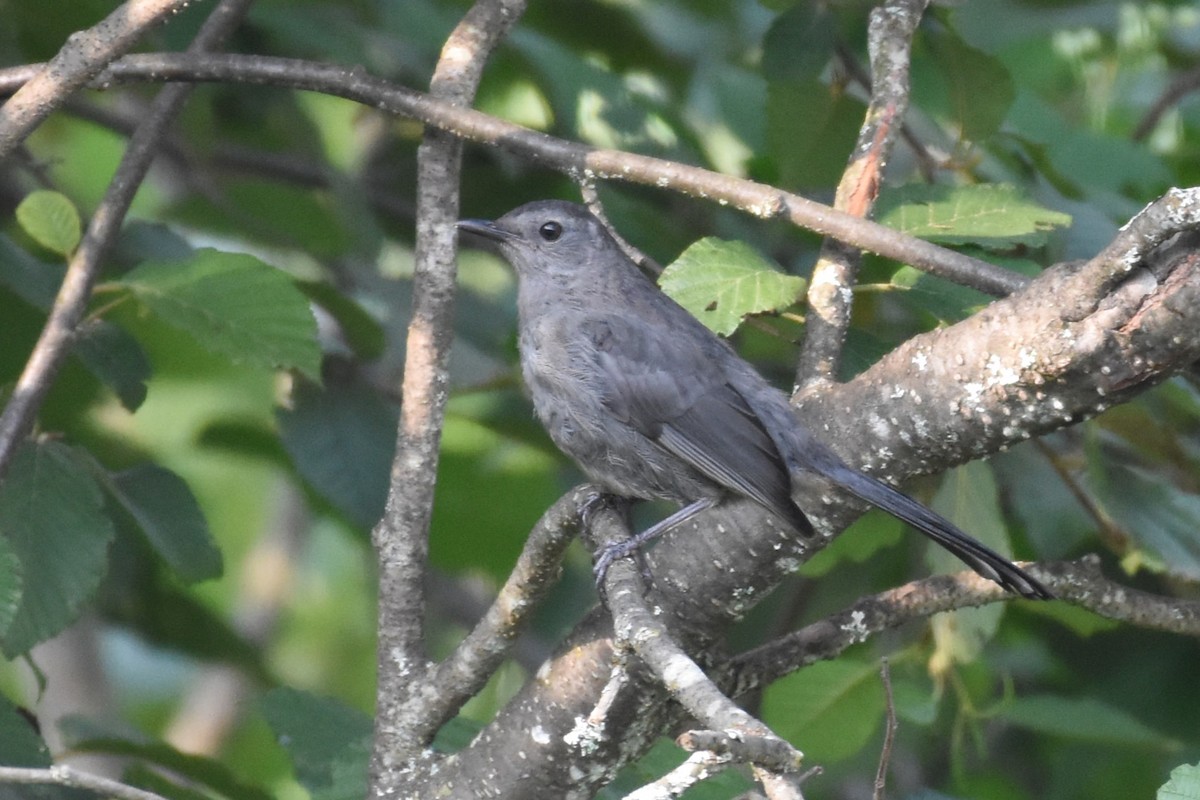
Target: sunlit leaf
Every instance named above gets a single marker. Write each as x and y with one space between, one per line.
51 220
996 216
233 304
1184 784
723 282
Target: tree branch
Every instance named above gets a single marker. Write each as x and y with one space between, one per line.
644 632
477 657
581 162
830 298
403 728
60 775
83 56
1079 583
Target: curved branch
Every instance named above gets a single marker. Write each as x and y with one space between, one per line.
581 162
455 680
647 635
1080 583
61 775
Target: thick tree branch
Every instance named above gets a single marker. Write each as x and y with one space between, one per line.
830 298
404 728
581 162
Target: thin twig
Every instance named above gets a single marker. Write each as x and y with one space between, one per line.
699 766
1179 88
889 729
830 298
591 199
1108 530
71 302
579 161
1077 582
62 775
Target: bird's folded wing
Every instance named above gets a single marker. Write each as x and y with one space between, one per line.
667 387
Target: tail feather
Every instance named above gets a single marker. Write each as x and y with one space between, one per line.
972 552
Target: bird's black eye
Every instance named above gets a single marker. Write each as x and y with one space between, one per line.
550 231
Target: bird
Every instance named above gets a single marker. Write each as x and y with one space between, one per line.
653 405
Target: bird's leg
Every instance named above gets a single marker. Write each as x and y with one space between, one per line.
610 553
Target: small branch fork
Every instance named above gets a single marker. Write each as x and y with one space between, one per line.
729 730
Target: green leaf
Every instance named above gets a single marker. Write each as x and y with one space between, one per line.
51 513
169 517
968 498
1161 517
996 216
811 130
722 282
51 220
326 740
972 89
33 280
139 597
20 744
799 43
233 304
868 534
364 335
116 358
341 439
1082 719
106 350
1184 784
829 710
11 582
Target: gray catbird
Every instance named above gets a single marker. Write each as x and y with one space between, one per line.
651 404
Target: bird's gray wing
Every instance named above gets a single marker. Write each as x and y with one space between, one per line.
671 389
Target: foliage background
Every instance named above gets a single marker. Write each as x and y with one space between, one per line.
1005 703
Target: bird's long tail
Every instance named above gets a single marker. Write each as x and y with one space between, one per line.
972 552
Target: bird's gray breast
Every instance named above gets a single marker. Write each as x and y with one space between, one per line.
566 362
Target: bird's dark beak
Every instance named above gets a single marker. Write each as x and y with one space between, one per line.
485 229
